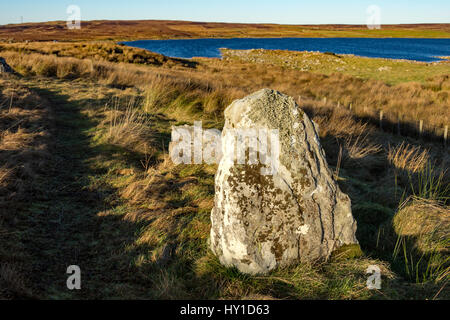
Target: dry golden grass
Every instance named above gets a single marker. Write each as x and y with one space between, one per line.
423 227
5 174
214 83
23 153
153 233
408 157
157 94
128 128
427 220
360 148
160 29
336 122
98 51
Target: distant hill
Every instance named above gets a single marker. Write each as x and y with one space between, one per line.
161 29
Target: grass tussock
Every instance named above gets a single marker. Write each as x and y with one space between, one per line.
408 157
359 148
423 227
128 127
424 219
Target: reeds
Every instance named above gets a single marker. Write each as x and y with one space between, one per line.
408 157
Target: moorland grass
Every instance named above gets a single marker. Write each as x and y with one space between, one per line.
140 224
156 29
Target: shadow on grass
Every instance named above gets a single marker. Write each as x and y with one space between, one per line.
76 216
79 218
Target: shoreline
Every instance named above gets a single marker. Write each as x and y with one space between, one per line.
439 58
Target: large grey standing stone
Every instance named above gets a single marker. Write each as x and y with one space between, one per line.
299 214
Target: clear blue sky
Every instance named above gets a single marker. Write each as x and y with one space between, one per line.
254 11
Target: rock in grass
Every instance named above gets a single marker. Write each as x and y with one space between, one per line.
296 214
4 67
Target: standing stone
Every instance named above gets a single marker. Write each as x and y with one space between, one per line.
297 214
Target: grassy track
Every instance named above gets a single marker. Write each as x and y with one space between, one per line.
68 231
64 223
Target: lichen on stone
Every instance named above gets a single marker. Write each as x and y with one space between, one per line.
260 222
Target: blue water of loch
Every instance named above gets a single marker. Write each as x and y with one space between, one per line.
426 50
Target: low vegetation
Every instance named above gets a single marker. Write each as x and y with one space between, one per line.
390 71
25 125
97 51
157 29
107 197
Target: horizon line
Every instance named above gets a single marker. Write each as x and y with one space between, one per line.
246 23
